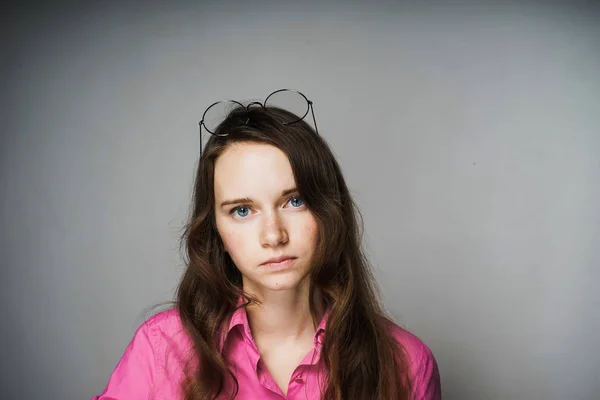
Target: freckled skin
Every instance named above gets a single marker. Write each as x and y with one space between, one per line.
271 225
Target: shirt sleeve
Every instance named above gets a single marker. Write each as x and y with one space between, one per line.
134 376
426 382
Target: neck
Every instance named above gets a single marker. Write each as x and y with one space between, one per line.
283 315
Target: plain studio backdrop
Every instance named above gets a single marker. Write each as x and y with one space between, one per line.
468 133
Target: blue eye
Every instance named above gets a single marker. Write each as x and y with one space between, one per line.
241 211
296 202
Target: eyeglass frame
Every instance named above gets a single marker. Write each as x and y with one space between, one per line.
263 105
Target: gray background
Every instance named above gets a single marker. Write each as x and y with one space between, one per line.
468 132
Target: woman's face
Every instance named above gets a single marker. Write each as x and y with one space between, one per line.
260 217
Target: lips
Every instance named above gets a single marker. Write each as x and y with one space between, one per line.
277 260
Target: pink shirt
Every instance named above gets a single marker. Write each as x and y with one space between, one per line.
151 367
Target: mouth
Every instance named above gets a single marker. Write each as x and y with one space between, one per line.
278 262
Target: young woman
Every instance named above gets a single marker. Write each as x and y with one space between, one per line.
278 300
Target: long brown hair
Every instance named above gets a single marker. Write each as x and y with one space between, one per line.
360 359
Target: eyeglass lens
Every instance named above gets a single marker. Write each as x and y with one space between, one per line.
289 100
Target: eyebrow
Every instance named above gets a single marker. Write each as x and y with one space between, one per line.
249 200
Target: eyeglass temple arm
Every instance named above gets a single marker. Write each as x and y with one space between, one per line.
312 111
200 137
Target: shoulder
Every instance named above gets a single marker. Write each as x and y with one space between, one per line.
166 335
167 322
165 326
142 371
413 346
424 372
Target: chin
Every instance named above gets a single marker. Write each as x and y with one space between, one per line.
278 282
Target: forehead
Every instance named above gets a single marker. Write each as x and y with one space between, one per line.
252 170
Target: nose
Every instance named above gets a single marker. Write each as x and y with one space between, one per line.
273 231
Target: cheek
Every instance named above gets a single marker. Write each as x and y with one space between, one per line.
230 240
310 231
238 242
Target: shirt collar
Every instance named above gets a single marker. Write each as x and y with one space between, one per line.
240 318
